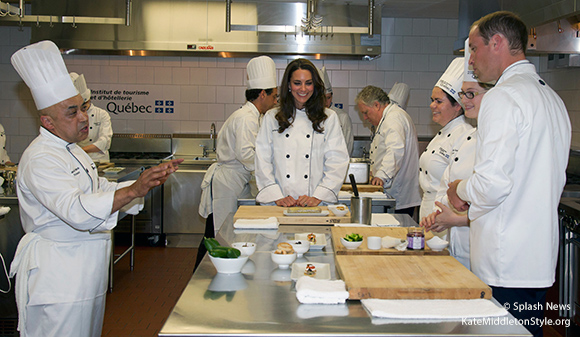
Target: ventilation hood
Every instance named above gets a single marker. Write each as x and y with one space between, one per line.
316 29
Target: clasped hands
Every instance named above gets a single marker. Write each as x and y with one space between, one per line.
303 201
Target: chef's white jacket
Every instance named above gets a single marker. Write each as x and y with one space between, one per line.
62 262
436 157
394 156
100 133
460 167
346 126
300 161
522 152
3 154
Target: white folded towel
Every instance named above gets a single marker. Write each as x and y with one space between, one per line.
384 220
391 242
373 195
432 309
270 223
311 290
306 311
4 210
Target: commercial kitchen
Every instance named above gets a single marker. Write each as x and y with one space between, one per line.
169 73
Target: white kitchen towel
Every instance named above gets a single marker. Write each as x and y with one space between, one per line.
373 195
384 220
4 210
306 311
391 242
270 223
432 309
311 291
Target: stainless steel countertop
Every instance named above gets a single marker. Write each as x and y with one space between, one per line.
261 301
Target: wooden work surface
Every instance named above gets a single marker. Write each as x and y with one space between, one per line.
264 212
408 277
396 232
363 188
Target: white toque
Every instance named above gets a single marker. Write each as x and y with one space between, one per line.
399 95
81 85
261 73
42 68
324 75
452 80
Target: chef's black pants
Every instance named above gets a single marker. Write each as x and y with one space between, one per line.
209 233
534 300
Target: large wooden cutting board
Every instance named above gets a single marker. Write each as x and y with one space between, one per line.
362 188
396 232
408 277
264 212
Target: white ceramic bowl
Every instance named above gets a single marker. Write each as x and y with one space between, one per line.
228 266
437 244
283 260
338 210
246 248
350 244
300 246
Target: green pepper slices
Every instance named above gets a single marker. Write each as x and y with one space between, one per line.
216 250
353 237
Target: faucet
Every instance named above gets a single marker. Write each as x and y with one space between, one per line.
204 149
365 153
212 135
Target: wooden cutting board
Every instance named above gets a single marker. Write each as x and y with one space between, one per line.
396 232
362 188
408 277
264 212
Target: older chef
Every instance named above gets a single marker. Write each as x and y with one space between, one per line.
345 121
98 142
523 143
66 210
301 156
448 113
394 149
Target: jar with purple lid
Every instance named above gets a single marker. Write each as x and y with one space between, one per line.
416 238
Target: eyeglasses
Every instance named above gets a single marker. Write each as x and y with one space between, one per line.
469 94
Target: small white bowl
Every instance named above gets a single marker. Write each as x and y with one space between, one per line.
228 266
283 260
300 246
246 248
338 210
437 244
350 244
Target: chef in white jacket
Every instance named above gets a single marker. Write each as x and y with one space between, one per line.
394 149
523 142
98 141
345 121
301 156
448 113
66 210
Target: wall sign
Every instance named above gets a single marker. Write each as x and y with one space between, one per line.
141 101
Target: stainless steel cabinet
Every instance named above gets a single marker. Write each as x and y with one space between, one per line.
181 196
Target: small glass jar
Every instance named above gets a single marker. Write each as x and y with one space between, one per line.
416 238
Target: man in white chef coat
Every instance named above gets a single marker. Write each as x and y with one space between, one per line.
521 156
98 141
394 150
343 117
66 210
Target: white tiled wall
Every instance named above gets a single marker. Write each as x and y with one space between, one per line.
415 51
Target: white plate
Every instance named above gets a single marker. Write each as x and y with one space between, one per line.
320 240
322 213
113 170
322 270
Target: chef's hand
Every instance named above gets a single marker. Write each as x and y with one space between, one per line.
377 181
305 201
288 201
447 218
454 199
429 220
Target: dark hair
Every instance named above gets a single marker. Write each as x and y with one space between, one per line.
453 101
252 94
506 23
314 106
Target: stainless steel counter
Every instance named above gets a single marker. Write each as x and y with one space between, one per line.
261 301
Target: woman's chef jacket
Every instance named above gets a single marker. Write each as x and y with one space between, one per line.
300 161
100 133
62 262
436 158
3 154
460 167
394 156
523 144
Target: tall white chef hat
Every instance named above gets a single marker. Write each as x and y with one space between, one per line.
324 75
261 73
81 85
468 74
399 94
42 68
452 80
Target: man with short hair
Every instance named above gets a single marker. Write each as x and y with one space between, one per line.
66 209
394 151
522 152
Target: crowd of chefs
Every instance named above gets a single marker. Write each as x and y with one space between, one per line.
288 146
